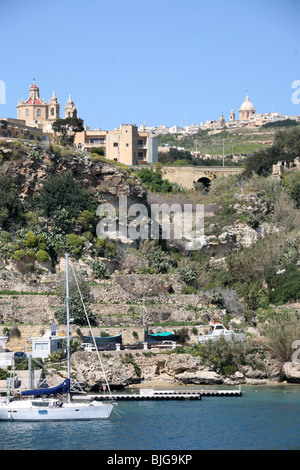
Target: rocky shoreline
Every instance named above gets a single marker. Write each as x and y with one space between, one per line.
125 370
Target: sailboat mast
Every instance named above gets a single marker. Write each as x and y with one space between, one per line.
68 322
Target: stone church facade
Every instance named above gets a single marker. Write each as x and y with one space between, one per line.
37 112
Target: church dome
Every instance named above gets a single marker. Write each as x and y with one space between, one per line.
247 105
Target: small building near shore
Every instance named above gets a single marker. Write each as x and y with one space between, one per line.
52 341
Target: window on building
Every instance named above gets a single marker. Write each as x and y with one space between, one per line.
52 111
127 145
41 346
26 112
116 144
97 141
39 112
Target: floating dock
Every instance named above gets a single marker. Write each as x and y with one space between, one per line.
157 395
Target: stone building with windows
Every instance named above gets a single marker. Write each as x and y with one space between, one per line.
37 112
17 129
125 144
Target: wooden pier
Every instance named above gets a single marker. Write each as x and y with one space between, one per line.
157 395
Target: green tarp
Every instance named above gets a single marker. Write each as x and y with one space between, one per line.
165 336
103 340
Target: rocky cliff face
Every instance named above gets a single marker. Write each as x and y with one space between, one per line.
35 163
123 370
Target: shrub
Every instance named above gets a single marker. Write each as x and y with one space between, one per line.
31 240
283 287
252 220
291 181
188 290
14 332
10 205
97 151
281 331
128 359
188 274
226 356
5 236
110 249
18 255
183 335
99 269
249 265
63 192
77 310
157 261
42 256
87 221
154 182
75 240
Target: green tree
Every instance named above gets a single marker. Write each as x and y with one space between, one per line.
281 331
286 147
76 308
67 128
63 192
262 161
291 181
154 182
75 303
289 142
10 205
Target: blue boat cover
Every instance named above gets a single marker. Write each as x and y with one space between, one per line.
62 388
167 335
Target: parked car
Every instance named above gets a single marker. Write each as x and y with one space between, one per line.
168 344
20 355
162 344
110 347
137 345
88 347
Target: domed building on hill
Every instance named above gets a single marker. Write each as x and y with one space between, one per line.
246 110
40 113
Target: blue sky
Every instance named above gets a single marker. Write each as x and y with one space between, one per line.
159 62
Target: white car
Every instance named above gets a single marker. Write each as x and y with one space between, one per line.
88 347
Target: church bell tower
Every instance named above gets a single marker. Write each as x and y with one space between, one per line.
70 109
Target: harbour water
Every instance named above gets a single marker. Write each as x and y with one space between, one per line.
264 418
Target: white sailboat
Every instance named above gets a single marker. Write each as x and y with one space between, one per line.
36 408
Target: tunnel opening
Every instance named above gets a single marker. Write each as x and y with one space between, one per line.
203 183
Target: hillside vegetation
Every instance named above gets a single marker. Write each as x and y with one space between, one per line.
247 272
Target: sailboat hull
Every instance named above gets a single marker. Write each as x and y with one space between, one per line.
24 411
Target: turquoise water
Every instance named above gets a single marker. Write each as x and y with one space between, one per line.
263 418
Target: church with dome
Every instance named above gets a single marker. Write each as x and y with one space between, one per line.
37 112
246 110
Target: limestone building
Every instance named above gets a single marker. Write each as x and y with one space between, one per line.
37 112
70 109
125 144
246 110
